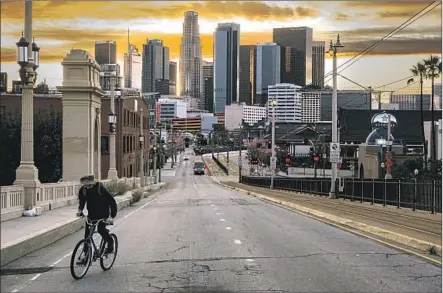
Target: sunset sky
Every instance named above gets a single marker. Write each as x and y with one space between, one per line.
61 25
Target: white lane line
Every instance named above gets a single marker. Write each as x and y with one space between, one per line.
212 205
249 260
217 213
35 277
14 291
236 241
228 228
223 220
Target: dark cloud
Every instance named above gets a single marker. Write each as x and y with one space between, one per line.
132 9
341 17
397 46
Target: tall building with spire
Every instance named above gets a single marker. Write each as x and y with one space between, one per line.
132 67
190 65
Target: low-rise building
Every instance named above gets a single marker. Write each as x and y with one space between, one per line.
236 114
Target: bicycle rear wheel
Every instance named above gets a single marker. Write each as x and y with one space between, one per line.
75 259
107 260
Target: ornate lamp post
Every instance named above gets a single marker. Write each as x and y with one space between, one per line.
112 120
27 173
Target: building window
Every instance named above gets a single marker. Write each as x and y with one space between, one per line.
105 145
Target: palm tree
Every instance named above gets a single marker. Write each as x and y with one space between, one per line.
420 71
433 67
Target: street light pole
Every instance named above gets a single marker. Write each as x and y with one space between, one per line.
112 173
141 173
154 158
333 50
273 160
28 58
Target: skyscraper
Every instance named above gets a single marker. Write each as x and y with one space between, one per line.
226 65
191 79
268 70
208 72
133 68
318 63
155 68
106 52
246 71
172 78
296 43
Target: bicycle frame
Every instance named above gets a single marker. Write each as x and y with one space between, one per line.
98 251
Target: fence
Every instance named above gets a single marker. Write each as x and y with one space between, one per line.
413 194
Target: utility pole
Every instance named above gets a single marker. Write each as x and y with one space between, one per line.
388 151
273 159
141 173
333 49
239 154
154 158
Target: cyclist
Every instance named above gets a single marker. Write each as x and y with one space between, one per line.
99 202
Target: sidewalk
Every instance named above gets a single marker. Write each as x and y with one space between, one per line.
24 235
418 230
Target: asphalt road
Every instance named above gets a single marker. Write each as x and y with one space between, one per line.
195 236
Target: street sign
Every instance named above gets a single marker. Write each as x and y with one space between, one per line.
273 162
334 152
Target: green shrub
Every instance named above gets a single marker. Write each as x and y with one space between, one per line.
137 195
112 188
122 187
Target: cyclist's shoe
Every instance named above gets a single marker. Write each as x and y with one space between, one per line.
109 249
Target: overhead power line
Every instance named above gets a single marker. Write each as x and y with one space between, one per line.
393 82
393 32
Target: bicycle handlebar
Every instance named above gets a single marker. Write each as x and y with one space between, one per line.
96 222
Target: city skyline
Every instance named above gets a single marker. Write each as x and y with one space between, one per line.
359 23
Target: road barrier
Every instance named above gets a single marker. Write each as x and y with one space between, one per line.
220 165
413 194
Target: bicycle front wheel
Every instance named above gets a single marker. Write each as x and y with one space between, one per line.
107 260
81 261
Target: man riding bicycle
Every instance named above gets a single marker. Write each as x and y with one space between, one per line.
100 204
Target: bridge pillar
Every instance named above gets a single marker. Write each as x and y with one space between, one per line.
81 102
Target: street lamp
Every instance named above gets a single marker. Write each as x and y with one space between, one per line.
273 160
22 52
333 48
112 120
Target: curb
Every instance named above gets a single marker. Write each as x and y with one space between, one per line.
33 242
421 245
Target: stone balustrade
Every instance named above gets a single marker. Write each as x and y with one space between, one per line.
52 195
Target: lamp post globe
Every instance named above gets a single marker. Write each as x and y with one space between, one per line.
36 54
22 52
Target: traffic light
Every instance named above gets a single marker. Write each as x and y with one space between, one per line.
288 160
311 153
269 145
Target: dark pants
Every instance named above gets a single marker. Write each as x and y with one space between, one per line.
101 229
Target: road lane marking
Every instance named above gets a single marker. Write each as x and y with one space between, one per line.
212 205
228 228
35 277
249 260
217 213
236 241
223 220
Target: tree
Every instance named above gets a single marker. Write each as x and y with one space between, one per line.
10 129
420 71
433 67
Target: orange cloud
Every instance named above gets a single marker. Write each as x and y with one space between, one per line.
341 17
13 11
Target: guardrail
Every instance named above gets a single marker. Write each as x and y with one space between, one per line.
12 198
413 194
220 165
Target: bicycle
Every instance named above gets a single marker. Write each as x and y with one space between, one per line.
92 256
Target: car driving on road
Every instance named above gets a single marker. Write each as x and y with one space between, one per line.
199 168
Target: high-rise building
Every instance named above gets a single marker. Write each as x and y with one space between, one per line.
247 76
310 107
267 70
318 64
226 65
155 65
107 71
209 94
106 52
288 99
208 72
411 101
296 43
438 96
3 82
236 114
133 68
172 77
191 79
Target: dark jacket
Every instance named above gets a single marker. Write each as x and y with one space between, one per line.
99 202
